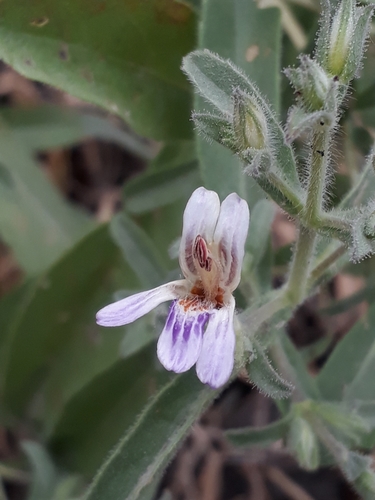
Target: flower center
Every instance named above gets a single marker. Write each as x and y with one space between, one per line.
208 269
197 300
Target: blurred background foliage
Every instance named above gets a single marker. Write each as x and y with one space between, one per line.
98 157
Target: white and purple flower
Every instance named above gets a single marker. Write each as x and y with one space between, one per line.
199 328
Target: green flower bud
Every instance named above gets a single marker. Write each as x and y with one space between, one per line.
249 122
342 31
304 443
342 39
311 82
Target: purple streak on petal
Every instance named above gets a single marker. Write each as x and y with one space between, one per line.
180 342
200 217
230 235
131 308
215 362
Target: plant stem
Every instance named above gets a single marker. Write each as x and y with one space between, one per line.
16 475
322 266
285 190
255 319
296 286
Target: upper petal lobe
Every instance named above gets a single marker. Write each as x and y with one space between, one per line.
200 218
230 235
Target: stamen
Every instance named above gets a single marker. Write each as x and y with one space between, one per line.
198 301
201 253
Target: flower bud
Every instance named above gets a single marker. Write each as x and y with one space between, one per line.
311 82
304 443
341 51
249 122
342 31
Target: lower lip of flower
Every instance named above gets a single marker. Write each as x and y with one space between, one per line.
197 300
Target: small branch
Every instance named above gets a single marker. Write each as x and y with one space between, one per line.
322 266
285 190
10 474
255 319
286 484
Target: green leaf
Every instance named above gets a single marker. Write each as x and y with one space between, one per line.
306 385
260 436
45 319
248 36
352 364
34 219
342 418
259 260
113 398
123 56
134 467
44 477
172 155
138 250
157 189
46 484
262 217
264 376
236 30
47 127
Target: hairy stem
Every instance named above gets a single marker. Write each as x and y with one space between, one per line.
318 167
296 287
325 263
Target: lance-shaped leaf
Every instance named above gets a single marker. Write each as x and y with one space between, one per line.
132 470
123 56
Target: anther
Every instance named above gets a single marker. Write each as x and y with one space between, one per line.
201 253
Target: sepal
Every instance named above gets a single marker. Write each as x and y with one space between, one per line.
214 127
310 82
249 122
299 122
264 376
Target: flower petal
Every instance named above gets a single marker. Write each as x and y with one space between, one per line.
200 217
180 342
131 308
230 235
215 362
